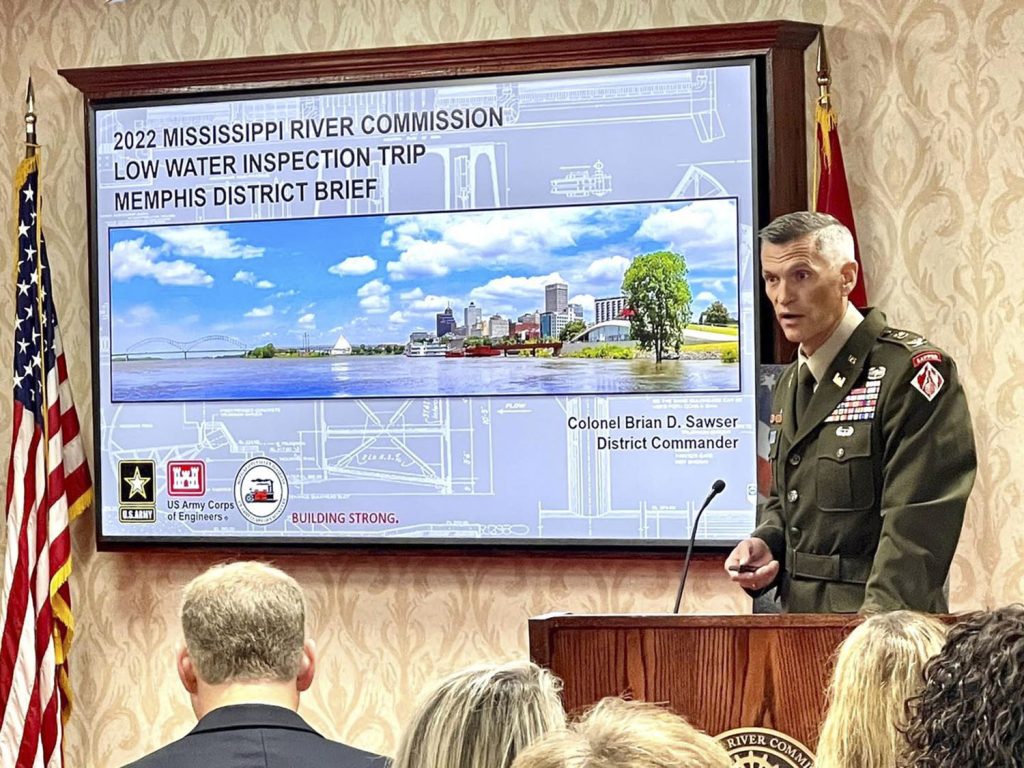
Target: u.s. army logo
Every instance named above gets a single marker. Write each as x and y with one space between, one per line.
764 748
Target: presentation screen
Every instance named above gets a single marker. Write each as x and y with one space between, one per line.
511 310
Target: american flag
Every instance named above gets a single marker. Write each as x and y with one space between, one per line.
48 485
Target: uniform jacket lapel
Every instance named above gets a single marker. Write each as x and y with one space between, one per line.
840 376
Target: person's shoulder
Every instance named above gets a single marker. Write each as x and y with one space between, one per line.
168 756
346 756
910 348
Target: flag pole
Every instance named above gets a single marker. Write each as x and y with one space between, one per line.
30 120
824 71
822 116
31 146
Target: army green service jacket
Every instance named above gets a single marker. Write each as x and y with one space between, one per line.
868 495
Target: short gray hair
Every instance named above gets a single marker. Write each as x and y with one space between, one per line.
831 238
482 716
244 622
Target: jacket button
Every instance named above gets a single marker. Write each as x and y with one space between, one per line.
840 452
795 459
794 531
792 495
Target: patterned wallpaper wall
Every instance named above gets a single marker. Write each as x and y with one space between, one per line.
930 98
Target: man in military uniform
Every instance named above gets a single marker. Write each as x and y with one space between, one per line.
871 444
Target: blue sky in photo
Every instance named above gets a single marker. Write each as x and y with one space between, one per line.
376 279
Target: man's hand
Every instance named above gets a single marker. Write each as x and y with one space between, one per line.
752 553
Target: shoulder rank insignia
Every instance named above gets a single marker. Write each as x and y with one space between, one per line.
906 339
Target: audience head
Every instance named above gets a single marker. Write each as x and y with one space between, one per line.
879 666
971 709
626 734
244 628
482 716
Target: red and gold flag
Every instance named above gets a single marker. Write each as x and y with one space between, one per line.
832 195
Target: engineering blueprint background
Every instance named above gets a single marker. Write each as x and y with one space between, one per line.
460 468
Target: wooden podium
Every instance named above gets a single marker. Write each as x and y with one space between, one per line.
721 672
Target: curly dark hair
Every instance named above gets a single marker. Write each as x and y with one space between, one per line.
971 710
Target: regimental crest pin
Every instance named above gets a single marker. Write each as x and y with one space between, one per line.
876 372
838 379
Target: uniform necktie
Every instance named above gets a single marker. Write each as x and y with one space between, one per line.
804 391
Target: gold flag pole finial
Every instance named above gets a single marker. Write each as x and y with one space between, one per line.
30 120
824 72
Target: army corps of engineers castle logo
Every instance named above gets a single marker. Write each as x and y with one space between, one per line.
764 748
261 491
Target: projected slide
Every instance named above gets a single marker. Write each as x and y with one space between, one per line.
476 311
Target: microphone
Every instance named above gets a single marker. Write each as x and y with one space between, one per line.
716 488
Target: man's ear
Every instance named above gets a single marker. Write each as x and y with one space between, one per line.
849 271
186 671
307 667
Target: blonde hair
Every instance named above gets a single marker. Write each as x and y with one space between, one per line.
482 717
244 622
626 734
879 666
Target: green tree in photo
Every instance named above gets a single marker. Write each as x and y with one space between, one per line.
716 314
658 294
571 329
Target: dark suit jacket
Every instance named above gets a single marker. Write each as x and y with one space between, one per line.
256 736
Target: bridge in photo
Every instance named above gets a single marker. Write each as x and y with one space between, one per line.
161 346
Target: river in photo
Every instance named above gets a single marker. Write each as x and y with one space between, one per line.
362 376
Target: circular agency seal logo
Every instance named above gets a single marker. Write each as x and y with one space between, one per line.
261 491
764 748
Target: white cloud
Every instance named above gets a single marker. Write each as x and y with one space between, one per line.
266 311
285 294
706 297
701 224
415 293
205 242
139 315
425 259
375 305
374 288
514 289
608 268
373 297
430 304
307 319
433 245
130 258
249 278
354 265
585 300
398 318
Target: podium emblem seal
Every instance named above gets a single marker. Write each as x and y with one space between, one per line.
764 748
